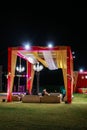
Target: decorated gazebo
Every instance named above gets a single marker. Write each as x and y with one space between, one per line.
52 58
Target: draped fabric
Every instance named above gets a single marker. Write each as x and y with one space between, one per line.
75 77
71 69
61 60
69 75
13 66
40 59
30 77
11 73
49 60
9 94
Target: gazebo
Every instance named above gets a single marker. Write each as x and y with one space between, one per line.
52 58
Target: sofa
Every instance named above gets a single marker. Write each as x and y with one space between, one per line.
42 99
51 99
31 99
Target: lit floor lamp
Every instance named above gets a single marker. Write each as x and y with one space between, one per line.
20 69
37 67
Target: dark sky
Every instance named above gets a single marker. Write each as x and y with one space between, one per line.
62 26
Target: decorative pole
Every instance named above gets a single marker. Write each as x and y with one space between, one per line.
37 67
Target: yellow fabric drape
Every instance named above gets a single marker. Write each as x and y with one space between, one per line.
61 60
40 59
75 76
32 75
13 65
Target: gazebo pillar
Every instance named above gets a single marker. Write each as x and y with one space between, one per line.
69 76
9 93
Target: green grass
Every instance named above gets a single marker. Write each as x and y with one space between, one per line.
31 116
80 98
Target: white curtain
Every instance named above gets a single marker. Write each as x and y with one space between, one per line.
49 60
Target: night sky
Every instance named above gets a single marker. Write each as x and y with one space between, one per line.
39 26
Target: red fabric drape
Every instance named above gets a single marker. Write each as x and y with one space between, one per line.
9 75
69 76
28 77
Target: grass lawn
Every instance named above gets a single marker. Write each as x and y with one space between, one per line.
31 116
